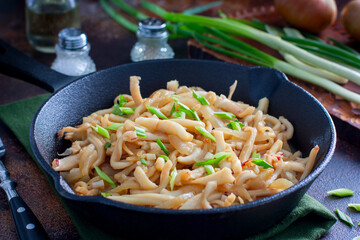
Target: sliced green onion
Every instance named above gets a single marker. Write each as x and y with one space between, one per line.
260 162
235 125
172 110
140 132
143 161
194 113
356 206
114 126
120 111
201 99
166 158
157 112
105 194
255 155
341 192
179 114
205 133
162 146
104 176
184 108
102 131
122 100
225 115
343 217
215 160
172 178
107 145
209 169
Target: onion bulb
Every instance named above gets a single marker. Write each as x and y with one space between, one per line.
350 18
309 15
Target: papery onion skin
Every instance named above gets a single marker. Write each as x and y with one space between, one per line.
309 15
350 18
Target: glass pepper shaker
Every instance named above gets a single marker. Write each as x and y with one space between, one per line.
46 18
72 53
152 41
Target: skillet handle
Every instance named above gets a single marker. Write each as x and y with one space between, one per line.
16 64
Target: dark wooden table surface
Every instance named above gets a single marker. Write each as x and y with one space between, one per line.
111 45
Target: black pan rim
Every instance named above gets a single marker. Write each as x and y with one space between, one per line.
247 206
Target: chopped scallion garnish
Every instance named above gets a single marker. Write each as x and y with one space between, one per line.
179 114
196 116
183 108
166 158
105 194
162 146
356 206
143 161
343 217
201 99
172 178
120 111
172 110
205 133
104 176
225 115
107 145
341 192
255 155
102 131
122 100
235 125
215 160
140 132
157 112
256 159
114 126
260 162
209 169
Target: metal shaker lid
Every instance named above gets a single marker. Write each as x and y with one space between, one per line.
153 28
72 39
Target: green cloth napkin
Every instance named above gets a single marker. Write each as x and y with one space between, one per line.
309 220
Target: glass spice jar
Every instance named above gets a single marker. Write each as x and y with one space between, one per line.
46 18
152 41
72 53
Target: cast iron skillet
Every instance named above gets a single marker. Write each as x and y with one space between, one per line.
74 98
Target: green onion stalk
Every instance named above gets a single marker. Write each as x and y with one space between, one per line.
261 58
275 42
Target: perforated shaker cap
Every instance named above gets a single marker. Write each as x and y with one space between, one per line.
153 28
72 39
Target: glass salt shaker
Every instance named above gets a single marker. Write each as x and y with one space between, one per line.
46 18
152 41
72 53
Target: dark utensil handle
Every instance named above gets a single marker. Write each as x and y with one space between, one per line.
16 64
27 225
